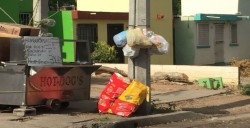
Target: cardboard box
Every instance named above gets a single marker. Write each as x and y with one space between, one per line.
18 29
5 46
33 30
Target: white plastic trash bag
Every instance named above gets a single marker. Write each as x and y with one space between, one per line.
161 45
120 39
148 33
131 52
136 38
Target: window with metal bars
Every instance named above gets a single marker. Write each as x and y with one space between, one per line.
203 34
87 32
24 18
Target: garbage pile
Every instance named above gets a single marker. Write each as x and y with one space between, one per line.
121 96
133 39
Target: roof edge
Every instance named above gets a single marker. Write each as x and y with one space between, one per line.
217 17
99 15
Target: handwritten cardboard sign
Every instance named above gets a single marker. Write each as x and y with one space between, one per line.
42 51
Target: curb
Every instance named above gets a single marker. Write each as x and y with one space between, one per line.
154 119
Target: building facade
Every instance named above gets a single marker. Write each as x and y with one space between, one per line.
115 20
95 22
211 31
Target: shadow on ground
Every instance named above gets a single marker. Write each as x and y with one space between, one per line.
220 109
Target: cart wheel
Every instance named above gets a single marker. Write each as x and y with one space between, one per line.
53 104
64 105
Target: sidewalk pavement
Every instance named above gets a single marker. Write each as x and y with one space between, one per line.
81 112
168 97
181 95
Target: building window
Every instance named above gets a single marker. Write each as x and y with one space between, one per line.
24 18
87 32
203 34
234 34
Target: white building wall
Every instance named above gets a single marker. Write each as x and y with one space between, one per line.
192 7
103 5
205 55
241 51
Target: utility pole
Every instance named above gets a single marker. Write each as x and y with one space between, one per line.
40 9
139 67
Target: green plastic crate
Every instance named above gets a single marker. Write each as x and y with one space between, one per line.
211 83
206 82
217 83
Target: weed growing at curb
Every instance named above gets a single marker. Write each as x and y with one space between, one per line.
105 118
244 89
157 109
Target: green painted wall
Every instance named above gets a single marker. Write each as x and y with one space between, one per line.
13 8
57 30
184 42
26 5
64 30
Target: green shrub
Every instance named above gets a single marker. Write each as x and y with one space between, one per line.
244 89
104 53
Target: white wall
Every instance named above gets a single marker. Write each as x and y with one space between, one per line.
103 5
230 75
191 7
241 51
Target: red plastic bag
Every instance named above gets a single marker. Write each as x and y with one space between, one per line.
104 103
116 85
130 99
123 108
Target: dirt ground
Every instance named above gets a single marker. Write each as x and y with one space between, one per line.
231 102
228 103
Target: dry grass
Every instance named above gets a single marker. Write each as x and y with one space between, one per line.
244 66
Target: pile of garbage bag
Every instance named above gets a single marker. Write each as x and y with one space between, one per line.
133 39
121 96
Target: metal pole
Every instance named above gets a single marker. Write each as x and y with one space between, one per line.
40 9
139 67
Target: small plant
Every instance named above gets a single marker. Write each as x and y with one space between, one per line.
156 109
105 118
103 53
244 89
